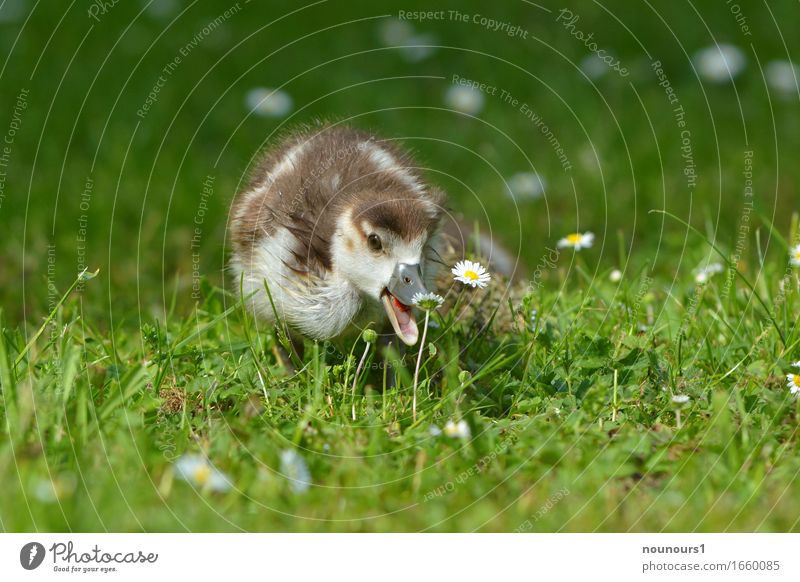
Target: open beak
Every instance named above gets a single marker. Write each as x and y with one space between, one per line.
397 299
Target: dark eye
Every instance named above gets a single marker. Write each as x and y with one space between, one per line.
374 242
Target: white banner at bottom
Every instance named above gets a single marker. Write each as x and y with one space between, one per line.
399 557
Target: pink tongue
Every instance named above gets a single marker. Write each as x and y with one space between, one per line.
403 318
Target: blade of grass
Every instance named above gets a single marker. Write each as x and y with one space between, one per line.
7 384
728 262
82 276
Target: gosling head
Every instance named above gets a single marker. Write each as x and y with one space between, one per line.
382 245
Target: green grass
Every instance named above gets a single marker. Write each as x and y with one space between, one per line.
572 422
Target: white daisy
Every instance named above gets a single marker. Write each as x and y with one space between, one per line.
703 274
61 487
427 301
680 399
794 256
464 99
793 383
161 8
268 102
294 468
14 10
577 241
796 364
615 276
782 77
593 66
394 31
418 47
196 469
526 185
471 273
458 429
719 63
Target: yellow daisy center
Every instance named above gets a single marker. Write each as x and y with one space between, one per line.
574 238
471 275
795 380
797 254
202 473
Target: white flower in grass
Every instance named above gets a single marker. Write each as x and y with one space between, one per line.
434 430
61 487
418 48
14 10
268 102
414 47
719 63
680 399
294 468
577 241
464 99
161 8
471 273
794 256
796 364
427 301
196 469
458 429
793 383
526 185
394 31
593 66
703 274
615 276
782 78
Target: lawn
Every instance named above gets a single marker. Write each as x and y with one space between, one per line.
636 385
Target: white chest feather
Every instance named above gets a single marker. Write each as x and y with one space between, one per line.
320 306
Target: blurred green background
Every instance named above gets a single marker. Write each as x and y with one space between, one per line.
89 69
